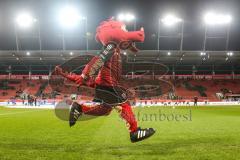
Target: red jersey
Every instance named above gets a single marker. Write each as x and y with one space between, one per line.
110 73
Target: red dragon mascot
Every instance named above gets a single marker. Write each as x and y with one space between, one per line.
107 66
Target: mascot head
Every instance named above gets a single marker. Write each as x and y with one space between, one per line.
112 31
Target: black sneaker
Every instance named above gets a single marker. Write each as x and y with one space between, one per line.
75 113
141 134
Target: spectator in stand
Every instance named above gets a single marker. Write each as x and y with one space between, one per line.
23 101
195 100
28 99
35 101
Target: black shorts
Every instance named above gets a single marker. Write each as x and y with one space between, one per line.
110 95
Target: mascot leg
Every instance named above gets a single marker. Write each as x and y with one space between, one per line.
136 133
95 110
98 110
128 115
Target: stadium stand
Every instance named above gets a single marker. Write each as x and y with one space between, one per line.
151 75
205 89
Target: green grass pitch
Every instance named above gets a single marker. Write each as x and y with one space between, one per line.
211 133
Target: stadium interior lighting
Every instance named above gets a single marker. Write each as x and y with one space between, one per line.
217 19
69 17
126 17
170 20
28 54
203 53
230 54
71 53
169 53
25 20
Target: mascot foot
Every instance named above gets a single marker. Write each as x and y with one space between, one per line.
141 134
75 113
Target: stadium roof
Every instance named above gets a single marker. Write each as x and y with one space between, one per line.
165 56
41 62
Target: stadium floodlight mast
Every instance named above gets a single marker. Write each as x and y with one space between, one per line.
127 17
170 20
212 18
25 20
69 17
216 19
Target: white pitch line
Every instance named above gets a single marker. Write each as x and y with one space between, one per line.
4 114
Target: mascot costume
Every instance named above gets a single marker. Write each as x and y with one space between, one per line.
107 66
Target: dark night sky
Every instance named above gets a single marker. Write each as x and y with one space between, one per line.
146 11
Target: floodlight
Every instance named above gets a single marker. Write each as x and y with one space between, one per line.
169 53
121 17
71 53
230 53
126 17
28 54
203 54
170 20
217 19
70 17
25 20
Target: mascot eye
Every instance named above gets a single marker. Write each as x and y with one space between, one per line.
124 28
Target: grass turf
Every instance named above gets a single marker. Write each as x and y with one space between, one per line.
211 133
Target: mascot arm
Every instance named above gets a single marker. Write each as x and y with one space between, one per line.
75 78
86 78
78 79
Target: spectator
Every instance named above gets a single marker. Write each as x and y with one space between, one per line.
195 100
